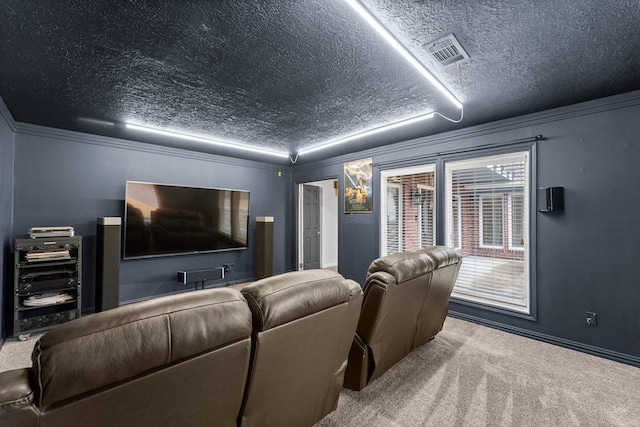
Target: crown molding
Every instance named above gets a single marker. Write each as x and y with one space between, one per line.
6 115
129 145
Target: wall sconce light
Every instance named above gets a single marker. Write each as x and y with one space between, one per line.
416 196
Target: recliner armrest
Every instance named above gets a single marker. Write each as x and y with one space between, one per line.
358 370
16 398
354 287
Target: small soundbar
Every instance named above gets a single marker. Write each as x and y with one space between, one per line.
197 276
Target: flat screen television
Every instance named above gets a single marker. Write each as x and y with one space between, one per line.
162 219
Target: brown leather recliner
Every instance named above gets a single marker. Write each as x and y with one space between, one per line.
304 323
180 360
406 298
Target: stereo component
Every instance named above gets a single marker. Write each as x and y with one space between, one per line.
200 276
42 281
44 321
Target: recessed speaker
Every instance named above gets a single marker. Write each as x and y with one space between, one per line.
108 263
551 199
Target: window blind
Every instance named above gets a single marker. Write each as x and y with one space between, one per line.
487 212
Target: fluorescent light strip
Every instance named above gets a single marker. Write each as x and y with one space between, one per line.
367 133
373 22
206 140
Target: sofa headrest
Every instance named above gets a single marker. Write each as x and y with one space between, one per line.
286 297
403 266
112 346
442 256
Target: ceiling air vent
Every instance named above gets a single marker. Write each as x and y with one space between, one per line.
446 51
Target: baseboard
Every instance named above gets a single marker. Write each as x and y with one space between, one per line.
549 339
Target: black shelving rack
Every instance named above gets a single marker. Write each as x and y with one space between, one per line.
47 283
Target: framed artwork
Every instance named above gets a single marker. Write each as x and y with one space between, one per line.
358 189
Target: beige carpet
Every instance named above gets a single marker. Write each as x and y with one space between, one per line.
17 354
470 375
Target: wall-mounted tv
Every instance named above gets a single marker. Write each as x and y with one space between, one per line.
162 219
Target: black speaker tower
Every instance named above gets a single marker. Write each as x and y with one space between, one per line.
264 247
108 263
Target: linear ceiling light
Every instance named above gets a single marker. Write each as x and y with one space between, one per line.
366 133
376 25
95 121
206 140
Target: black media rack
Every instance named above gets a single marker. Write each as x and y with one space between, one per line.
47 283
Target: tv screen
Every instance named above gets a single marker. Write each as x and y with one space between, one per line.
164 219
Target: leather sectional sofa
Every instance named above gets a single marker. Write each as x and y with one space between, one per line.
276 353
273 354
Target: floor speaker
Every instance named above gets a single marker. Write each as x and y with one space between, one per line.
108 263
264 247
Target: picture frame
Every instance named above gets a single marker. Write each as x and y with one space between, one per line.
358 186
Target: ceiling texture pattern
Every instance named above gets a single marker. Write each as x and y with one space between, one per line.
288 75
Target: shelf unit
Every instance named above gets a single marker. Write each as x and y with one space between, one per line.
47 283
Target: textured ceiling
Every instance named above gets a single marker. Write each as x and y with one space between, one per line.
288 75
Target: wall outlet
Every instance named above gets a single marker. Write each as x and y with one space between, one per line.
228 267
591 318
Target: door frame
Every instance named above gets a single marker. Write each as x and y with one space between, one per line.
329 204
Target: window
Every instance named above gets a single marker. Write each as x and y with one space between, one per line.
486 201
408 222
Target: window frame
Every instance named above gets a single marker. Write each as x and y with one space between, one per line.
478 159
429 167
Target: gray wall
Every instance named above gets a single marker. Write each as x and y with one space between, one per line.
586 256
6 214
65 178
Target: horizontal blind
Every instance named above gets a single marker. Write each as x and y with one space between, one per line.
487 212
408 209
392 221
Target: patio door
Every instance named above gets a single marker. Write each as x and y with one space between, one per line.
487 221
